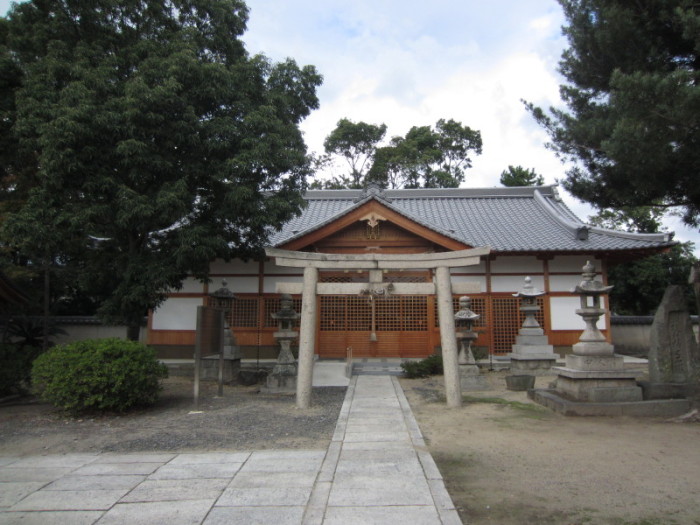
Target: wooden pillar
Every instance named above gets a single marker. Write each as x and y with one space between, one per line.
448 337
307 338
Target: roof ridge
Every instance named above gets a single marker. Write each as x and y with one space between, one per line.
506 191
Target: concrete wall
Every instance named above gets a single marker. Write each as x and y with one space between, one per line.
631 335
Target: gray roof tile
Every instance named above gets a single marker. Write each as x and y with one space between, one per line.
525 219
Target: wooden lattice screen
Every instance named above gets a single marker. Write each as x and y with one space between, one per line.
478 306
507 320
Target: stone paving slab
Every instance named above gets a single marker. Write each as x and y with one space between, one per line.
265 496
70 500
55 461
103 469
381 515
50 518
176 490
33 474
376 470
72 482
255 516
173 512
12 492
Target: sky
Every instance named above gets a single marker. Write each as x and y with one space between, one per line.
409 63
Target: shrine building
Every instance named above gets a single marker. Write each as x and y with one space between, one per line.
391 311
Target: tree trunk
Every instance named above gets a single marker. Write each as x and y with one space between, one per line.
47 307
133 329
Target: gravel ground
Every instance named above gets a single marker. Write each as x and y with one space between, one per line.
242 419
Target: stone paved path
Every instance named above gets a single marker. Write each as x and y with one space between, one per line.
376 470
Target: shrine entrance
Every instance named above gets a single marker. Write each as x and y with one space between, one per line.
383 325
368 317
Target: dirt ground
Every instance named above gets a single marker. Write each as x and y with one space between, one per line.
508 461
243 419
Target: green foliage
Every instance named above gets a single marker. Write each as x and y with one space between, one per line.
429 366
15 367
425 157
632 127
146 142
642 219
357 144
29 331
519 176
98 375
639 285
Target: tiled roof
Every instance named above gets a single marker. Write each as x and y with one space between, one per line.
523 219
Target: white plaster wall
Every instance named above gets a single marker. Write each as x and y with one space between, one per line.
563 283
572 263
177 313
471 279
517 264
270 282
219 266
191 285
477 268
514 283
563 311
271 267
243 284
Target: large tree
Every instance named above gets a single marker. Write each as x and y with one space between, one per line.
153 138
426 157
519 176
632 126
356 142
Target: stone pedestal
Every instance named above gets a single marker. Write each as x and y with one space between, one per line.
283 378
532 353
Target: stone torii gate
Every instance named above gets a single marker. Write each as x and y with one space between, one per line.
443 288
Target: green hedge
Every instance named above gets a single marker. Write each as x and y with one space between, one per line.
98 375
425 367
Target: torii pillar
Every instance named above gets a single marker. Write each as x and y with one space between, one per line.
443 288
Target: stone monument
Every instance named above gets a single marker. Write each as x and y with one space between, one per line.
532 353
594 373
674 355
470 377
283 378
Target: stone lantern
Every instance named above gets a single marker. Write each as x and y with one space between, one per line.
532 353
284 375
469 375
594 373
223 299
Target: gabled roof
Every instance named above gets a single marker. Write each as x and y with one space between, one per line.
518 219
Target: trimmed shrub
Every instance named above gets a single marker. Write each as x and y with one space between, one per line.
98 375
429 366
15 367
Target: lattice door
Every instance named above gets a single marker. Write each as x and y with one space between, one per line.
507 320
